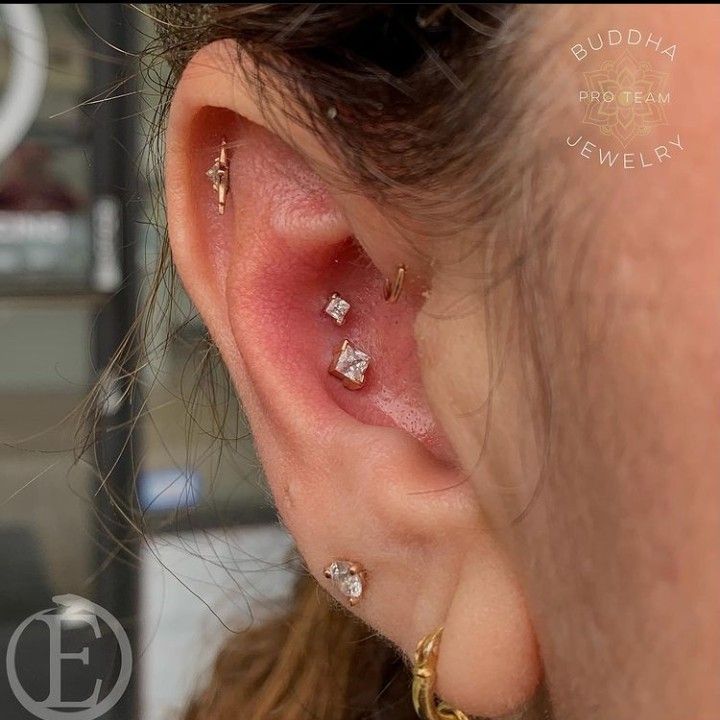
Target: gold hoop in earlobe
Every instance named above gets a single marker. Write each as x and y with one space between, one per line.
423 688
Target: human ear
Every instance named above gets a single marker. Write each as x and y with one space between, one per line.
362 475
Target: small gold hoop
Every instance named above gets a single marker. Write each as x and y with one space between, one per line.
423 688
392 291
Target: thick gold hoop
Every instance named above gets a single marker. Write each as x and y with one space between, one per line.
423 688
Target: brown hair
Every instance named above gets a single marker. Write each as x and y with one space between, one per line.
314 662
423 105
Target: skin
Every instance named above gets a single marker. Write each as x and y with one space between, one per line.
609 583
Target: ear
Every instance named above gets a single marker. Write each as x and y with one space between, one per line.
362 475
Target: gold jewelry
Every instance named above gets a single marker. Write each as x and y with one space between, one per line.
392 291
348 577
350 364
219 174
423 687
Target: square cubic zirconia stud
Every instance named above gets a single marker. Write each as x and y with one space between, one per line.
337 308
350 365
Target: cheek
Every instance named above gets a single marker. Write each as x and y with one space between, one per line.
625 528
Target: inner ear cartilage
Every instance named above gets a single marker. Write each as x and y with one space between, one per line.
337 308
350 364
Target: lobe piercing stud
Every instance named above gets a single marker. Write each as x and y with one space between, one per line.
348 578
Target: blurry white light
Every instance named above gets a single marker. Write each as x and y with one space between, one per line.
25 85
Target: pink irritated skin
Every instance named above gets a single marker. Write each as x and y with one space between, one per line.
392 394
288 308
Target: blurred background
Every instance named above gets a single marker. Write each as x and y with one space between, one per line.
162 522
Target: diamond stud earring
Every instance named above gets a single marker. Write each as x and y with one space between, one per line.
337 308
350 364
219 174
348 578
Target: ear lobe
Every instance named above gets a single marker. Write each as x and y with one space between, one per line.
363 475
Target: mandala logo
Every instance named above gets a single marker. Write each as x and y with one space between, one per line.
629 98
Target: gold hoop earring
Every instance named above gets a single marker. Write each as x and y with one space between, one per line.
392 291
423 688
